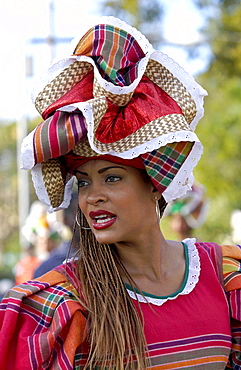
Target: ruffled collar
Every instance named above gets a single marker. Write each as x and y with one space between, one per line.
190 280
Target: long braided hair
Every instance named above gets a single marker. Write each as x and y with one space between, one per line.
115 329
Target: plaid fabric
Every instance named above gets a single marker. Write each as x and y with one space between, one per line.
163 164
232 283
115 51
42 324
121 120
57 135
231 266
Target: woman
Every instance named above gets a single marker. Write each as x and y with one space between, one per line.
119 117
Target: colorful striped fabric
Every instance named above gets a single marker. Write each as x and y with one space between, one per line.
43 324
232 280
58 135
118 63
44 315
119 127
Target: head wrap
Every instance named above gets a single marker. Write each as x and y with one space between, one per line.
118 97
73 161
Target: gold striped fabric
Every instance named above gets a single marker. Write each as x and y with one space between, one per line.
53 181
153 129
161 76
118 99
61 84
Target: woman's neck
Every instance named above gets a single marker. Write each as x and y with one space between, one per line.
155 265
147 254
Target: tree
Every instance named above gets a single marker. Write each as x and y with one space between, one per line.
220 129
223 33
8 186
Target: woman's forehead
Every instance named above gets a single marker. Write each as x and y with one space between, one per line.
98 164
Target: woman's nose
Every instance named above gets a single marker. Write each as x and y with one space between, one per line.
96 195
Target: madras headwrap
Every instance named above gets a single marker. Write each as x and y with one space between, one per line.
119 97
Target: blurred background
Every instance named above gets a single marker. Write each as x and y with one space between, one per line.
203 36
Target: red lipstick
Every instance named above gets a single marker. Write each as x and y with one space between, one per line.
102 219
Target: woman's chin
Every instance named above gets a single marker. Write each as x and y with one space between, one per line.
104 237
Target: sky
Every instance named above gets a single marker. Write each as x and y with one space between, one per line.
22 22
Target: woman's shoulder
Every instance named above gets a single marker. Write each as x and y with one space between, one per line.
221 251
32 297
38 314
47 282
226 260
213 250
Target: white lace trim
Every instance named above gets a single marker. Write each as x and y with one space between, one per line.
197 91
116 22
188 81
192 280
181 183
147 146
58 66
41 191
184 178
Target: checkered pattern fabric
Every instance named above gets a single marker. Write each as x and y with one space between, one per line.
43 325
125 99
115 51
163 164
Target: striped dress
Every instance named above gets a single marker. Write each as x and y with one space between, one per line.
43 326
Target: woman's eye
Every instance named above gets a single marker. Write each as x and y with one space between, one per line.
82 183
113 178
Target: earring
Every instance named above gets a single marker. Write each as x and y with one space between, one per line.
158 213
82 222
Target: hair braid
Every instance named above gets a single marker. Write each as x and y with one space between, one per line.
115 330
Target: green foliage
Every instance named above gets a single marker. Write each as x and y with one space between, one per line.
220 129
226 39
8 185
220 133
9 245
8 137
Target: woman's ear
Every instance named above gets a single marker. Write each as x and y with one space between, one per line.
156 193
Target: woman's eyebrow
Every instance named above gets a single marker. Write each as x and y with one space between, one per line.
82 173
107 168
100 171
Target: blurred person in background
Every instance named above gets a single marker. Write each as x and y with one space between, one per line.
44 232
119 117
236 226
188 212
235 234
68 246
5 284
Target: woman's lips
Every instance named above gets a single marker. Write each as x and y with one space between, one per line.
102 219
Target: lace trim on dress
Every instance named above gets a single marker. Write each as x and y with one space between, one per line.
192 279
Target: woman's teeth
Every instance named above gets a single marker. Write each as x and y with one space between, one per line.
102 219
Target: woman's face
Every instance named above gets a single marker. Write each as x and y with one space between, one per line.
118 201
